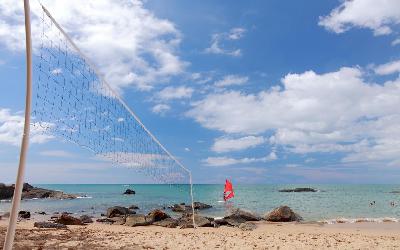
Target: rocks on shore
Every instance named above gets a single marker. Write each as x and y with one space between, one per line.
237 217
129 191
168 222
282 214
45 224
186 221
86 219
133 207
182 208
66 219
135 220
30 192
24 214
298 190
117 211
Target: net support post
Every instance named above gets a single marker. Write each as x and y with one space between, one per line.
9 240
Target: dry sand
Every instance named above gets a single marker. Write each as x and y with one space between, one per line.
266 236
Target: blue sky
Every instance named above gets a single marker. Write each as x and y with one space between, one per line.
259 92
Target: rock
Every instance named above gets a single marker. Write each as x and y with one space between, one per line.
118 211
129 191
105 220
182 208
186 221
6 192
298 190
134 220
45 224
248 226
24 214
86 219
133 207
30 192
219 222
41 213
235 222
157 215
282 214
118 220
168 222
66 219
242 215
200 206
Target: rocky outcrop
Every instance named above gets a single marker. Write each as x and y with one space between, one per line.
129 191
298 190
168 222
133 207
282 214
86 219
66 219
45 224
105 220
30 192
182 208
157 215
24 214
186 221
118 211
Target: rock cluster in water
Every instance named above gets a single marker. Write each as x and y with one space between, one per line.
298 190
30 192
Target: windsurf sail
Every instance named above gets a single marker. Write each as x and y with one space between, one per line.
228 190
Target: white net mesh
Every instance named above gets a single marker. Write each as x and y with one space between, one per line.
72 101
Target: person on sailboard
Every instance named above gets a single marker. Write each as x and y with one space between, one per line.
228 190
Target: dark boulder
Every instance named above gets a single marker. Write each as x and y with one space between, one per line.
118 211
41 213
129 191
24 214
45 224
118 220
244 215
6 192
133 207
186 221
182 208
168 222
66 219
298 190
282 214
200 206
86 219
105 220
157 215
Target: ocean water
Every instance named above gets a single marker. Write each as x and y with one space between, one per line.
329 203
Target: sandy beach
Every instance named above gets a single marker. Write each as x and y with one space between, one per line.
265 236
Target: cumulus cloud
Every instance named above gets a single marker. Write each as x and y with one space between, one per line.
231 80
388 68
332 112
224 144
170 93
226 161
12 126
57 153
379 17
396 42
160 108
217 40
129 44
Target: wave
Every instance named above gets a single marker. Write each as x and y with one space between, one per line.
84 197
359 220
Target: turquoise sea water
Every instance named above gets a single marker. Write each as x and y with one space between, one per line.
331 202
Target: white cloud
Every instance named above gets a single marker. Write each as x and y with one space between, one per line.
12 126
380 17
388 68
57 153
130 45
396 42
224 144
160 108
170 93
333 112
226 161
231 80
216 46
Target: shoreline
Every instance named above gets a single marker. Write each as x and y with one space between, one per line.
266 235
